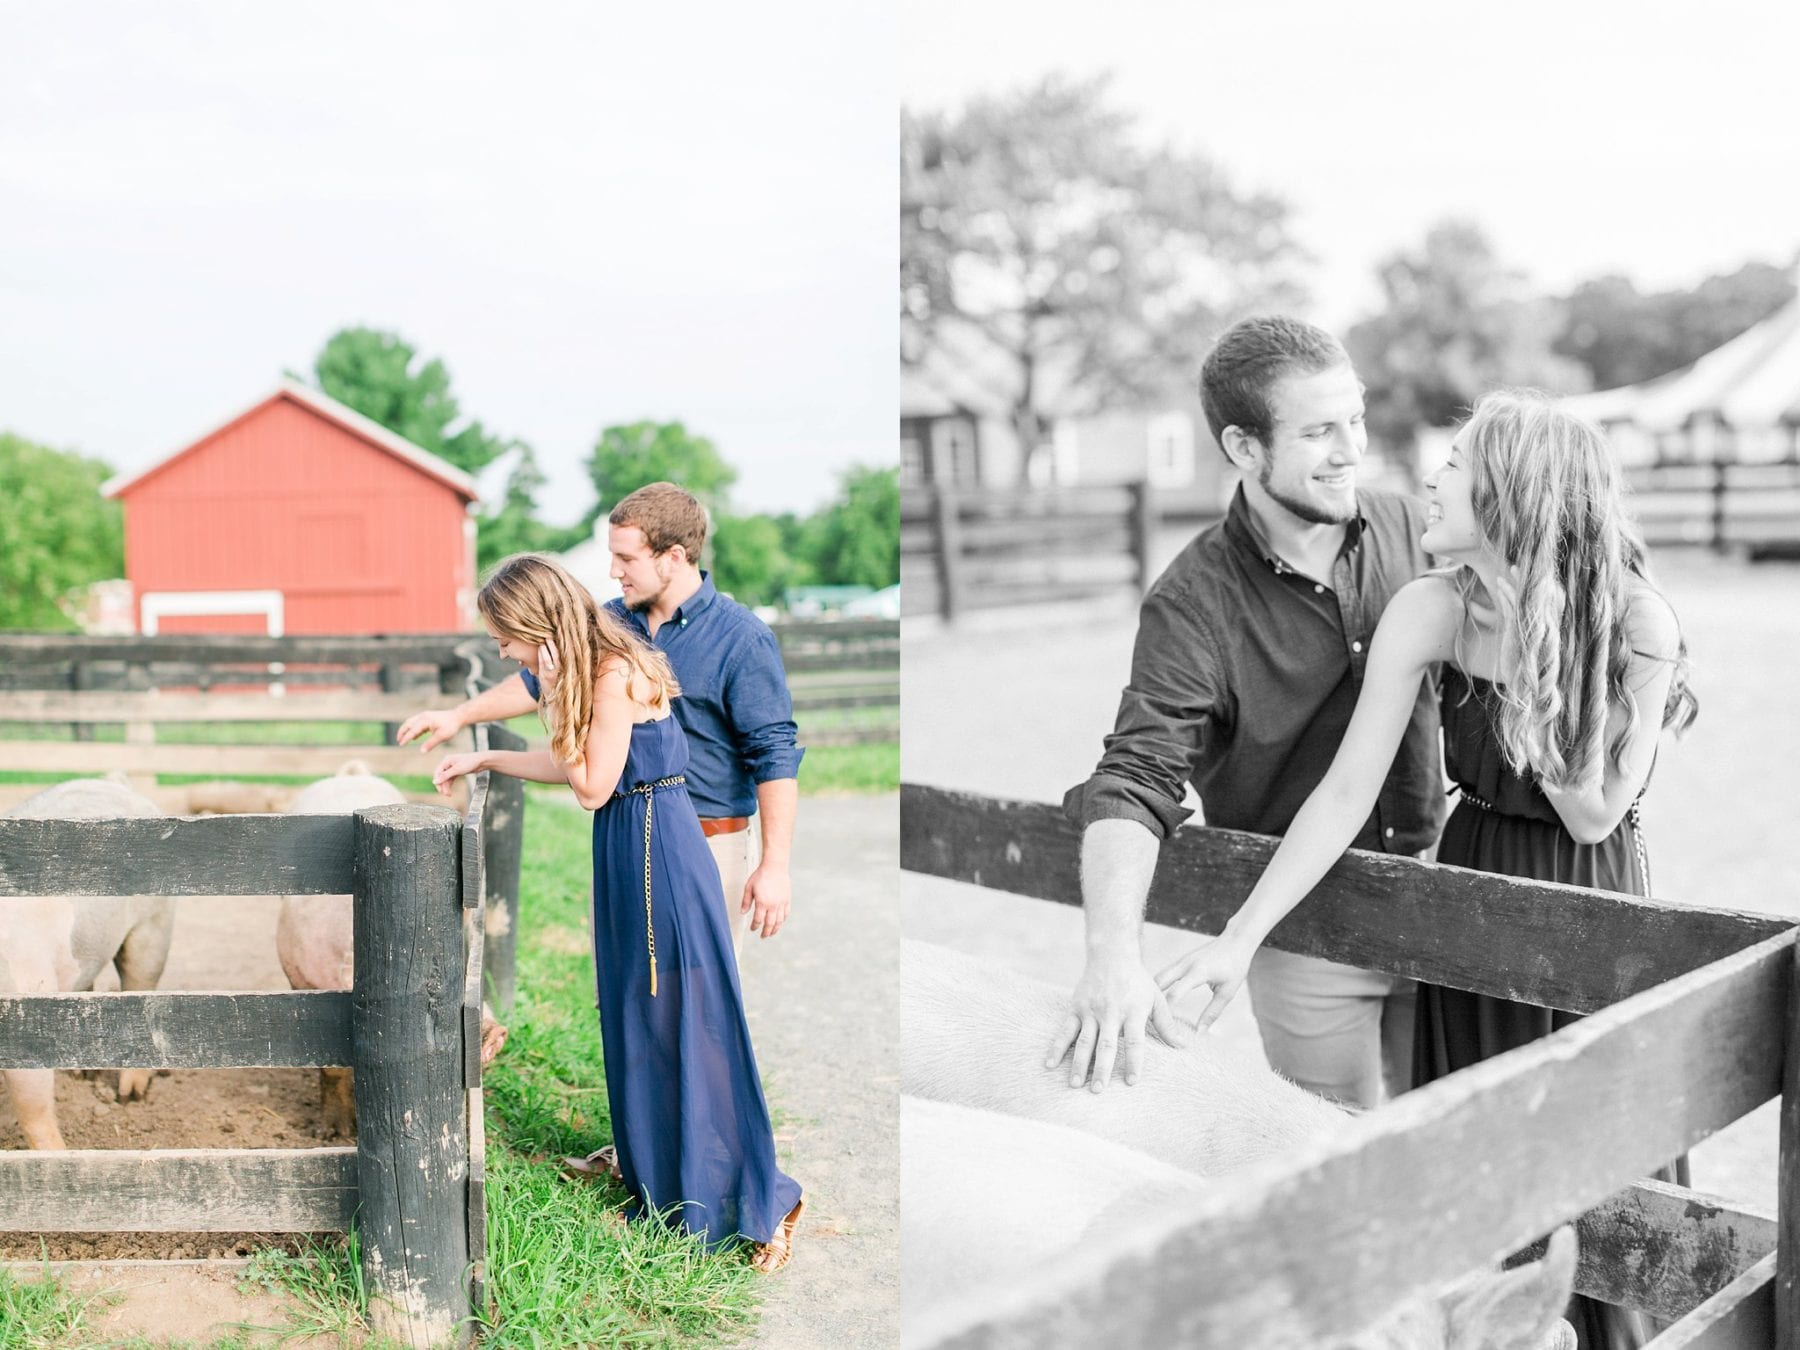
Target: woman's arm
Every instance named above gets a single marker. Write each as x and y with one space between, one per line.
1417 630
1593 812
595 775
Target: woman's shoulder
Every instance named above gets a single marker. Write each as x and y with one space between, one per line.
1651 628
1432 599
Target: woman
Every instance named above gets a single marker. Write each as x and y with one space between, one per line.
1561 664
691 1131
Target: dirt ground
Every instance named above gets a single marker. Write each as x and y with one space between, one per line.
1016 704
220 943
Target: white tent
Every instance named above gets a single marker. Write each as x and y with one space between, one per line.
1739 402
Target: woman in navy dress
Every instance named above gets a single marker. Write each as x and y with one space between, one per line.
691 1135
1561 665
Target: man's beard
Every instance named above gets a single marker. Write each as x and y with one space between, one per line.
1311 512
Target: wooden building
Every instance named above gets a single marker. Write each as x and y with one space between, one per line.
299 516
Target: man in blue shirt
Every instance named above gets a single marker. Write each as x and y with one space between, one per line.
734 704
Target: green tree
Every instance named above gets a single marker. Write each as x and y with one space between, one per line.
1624 336
1456 323
57 533
628 456
1040 228
749 561
855 541
382 376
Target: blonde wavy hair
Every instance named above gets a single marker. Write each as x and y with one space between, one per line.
534 599
1549 497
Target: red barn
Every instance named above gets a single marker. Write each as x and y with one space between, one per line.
300 515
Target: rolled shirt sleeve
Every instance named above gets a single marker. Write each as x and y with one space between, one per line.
761 710
1159 734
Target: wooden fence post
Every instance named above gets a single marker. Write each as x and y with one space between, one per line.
1142 526
948 529
1787 1191
412 1147
504 844
1720 543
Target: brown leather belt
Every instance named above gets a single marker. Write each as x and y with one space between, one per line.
723 825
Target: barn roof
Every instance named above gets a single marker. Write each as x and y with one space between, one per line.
330 409
1751 381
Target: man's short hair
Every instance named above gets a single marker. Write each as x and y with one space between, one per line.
668 515
1247 360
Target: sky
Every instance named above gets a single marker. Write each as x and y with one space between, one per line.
594 214
1587 137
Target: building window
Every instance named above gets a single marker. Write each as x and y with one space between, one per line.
915 471
1171 450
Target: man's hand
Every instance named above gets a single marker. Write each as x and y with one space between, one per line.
1219 963
768 892
1113 1003
442 726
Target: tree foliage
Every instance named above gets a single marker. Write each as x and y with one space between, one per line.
57 533
1039 222
627 457
1624 336
855 541
1456 323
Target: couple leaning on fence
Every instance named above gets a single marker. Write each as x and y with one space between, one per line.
1295 663
675 785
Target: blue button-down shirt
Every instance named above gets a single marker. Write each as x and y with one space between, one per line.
734 704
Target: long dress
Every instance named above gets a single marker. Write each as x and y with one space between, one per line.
1504 823
689 1121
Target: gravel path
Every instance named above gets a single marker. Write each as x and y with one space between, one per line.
823 1001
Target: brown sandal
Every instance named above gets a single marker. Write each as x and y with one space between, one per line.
602 1163
769 1257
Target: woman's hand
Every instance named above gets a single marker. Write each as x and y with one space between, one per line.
1220 963
453 767
547 667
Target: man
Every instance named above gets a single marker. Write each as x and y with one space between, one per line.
734 704
1249 655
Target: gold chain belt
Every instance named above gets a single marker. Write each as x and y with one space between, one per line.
1634 814
648 792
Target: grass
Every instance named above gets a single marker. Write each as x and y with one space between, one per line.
41 1311
561 1269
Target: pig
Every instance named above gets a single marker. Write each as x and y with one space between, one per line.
60 944
1073 1172
312 934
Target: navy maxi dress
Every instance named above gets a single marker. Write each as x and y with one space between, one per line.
1503 823
689 1121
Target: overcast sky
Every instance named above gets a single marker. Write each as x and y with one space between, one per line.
593 214
1660 141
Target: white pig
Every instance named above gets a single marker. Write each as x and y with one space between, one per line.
1063 1171
313 933
60 944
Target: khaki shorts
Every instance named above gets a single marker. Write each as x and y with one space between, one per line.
737 855
1337 1030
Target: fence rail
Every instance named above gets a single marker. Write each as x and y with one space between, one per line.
966 549
1691 1028
402 1028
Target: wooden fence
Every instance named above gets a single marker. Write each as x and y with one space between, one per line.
844 675
1692 1026
410 1028
1730 508
965 549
